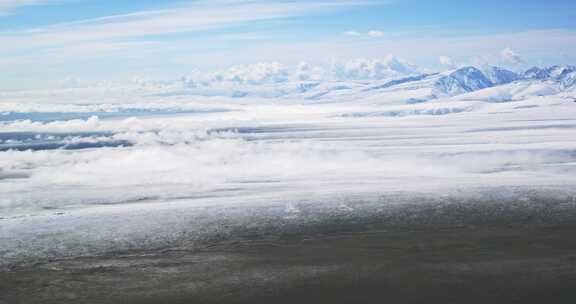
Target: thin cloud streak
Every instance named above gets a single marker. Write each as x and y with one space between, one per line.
7 7
196 17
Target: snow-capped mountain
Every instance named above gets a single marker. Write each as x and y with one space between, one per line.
563 75
461 81
499 76
385 82
535 82
412 89
492 84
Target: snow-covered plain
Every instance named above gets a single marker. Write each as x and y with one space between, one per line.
72 151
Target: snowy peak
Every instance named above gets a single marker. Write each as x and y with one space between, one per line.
461 81
564 75
555 72
499 76
536 73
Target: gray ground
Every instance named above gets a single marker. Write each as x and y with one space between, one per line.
509 248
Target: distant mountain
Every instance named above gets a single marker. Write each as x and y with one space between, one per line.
563 75
407 89
388 81
499 76
463 80
537 73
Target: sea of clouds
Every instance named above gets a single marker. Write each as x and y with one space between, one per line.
262 149
337 129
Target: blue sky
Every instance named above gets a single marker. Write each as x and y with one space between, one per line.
45 41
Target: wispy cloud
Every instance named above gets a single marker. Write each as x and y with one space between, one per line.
8 6
193 17
214 34
370 33
533 44
352 33
375 34
154 35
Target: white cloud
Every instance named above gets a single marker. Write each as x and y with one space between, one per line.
274 72
371 33
305 71
540 44
510 56
446 61
375 34
169 58
139 39
364 69
258 73
352 33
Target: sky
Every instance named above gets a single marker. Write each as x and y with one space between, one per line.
43 42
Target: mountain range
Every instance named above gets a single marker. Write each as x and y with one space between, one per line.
364 82
489 83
